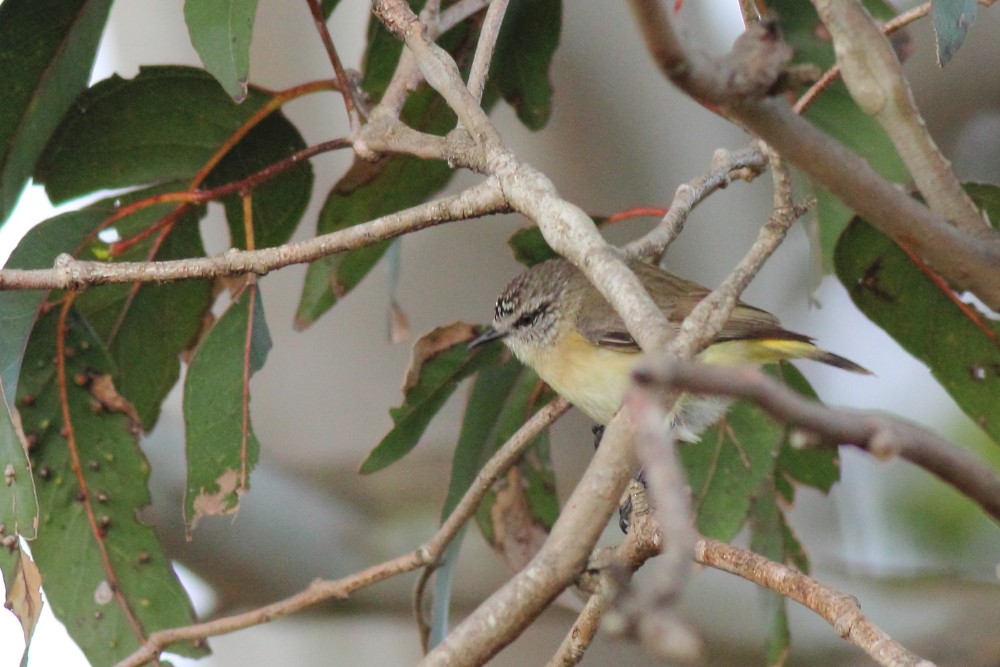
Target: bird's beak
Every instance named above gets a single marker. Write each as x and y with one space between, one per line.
486 336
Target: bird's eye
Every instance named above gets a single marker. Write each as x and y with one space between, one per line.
526 320
530 318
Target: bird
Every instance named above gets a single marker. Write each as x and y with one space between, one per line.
555 321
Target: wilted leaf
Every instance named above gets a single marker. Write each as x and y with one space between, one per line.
914 306
24 592
517 533
47 49
221 447
441 360
220 33
432 344
18 504
952 20
95 509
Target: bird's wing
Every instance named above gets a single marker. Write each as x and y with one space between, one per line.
676 297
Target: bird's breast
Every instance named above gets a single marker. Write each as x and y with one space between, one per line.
590 377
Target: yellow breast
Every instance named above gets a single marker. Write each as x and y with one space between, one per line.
590 377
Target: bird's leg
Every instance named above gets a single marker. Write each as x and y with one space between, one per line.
635 502
598 431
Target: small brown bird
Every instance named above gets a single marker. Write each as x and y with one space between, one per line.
557 323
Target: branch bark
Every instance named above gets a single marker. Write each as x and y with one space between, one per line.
875 80
881 435
68 273
966 260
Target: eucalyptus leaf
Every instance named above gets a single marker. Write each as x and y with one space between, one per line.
47 49
220 32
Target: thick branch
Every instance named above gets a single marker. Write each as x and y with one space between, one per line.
502 617
968 261
875 80
881 435
68 273
751 69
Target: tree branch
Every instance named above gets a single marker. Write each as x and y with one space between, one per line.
875 80
881 435
747 164
576 642
841 611
68 273
323 590
484 49
502 617
968 261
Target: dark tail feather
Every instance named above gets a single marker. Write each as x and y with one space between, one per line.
838 361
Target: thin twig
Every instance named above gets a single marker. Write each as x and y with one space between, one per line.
881 435
68 273
746 163
576 642
484 49
841 611
344 81
649 613
322 590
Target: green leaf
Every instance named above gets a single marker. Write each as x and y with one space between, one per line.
727 466
835 112
491 388
772 537
328 6
47 49
278 204
18 504
530 247
220 33
441 359
959 345
523 57
106 576
818 467
221 447
952 20
162 125
366 192
766 539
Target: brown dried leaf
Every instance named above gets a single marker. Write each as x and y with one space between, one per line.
399 323
102 388
217 503
431 344
516 534
24 595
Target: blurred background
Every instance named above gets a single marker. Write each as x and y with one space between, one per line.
921 560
